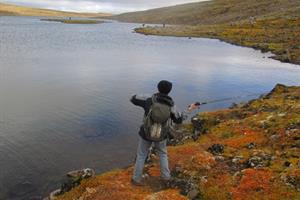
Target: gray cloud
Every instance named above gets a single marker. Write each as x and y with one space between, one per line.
111 6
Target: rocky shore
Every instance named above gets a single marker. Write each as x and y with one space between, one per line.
249 151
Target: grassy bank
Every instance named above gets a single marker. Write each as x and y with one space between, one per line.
281 36
14 10
74 21
259 158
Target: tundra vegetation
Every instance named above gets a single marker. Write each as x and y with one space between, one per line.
249 151
267 25
14 10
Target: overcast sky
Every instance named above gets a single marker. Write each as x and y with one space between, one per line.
110 6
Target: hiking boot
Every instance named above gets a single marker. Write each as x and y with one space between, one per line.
135 183
165 182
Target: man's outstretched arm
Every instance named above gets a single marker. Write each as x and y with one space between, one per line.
139 100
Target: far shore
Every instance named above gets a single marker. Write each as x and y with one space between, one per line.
15 10
74 21
280 38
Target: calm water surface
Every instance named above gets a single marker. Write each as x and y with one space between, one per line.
64 92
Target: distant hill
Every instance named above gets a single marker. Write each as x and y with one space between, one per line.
268 25
13 10
212 12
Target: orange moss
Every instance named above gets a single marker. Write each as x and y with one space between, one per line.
253 181
170 194
113 186
294 173
217 185
246 138
190 156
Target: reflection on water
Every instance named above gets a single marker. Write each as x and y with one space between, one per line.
65 89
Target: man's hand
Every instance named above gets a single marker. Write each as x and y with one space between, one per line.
193 106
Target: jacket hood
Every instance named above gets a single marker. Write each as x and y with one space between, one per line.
164 99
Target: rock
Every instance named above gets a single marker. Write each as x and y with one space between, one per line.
293 181
295 125
234 105
251 145
145 176
193 194
287 163
74 179
197 127
274 137
91 190
53 195
270 117
186 186
292 132
281 114
238 175
259 160
237 159
219 158
296 138
264 124
83 174
204 179
216 149
296 146
179 135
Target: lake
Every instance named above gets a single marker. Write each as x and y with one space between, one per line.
65 90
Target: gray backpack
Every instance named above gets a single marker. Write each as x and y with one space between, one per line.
157 121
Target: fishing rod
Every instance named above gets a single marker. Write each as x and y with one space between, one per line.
227 99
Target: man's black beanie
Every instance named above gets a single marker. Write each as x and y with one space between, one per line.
164 87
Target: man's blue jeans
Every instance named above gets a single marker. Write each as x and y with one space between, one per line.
142 152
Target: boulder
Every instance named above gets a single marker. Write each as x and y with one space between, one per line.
72 180
216 149
186 186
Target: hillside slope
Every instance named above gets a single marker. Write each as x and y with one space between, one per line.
13 10
212 12
268 25
248 152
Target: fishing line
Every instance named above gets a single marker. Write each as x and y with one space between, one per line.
228 99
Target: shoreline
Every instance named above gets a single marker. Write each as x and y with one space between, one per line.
248 150
284 44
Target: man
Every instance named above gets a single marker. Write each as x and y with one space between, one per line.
159 111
